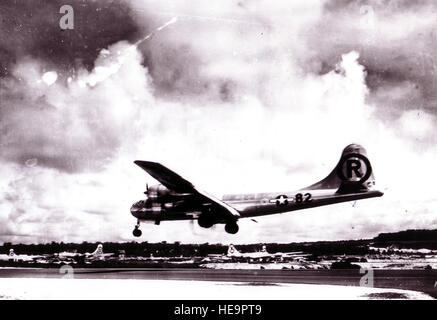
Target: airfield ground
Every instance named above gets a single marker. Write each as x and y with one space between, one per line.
27 283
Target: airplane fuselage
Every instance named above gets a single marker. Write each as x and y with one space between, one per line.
248 205
178 199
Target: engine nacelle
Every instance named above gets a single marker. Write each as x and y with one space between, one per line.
157 191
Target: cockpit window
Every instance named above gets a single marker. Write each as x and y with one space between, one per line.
142 204
139 203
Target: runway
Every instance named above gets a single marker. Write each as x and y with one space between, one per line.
417 280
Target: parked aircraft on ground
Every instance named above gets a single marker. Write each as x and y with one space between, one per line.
97 254
12 256
263 255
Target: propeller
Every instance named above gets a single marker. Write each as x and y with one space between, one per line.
194 229
147 189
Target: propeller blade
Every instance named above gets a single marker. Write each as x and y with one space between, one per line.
194 227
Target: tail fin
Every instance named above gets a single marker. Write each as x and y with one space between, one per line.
232 251
98 251
353 173
12 255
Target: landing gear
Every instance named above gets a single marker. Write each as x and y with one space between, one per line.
205 220
231 227
137 232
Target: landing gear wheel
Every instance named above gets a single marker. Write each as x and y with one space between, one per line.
205 220
231 227
137 232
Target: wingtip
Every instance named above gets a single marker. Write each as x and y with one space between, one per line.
138 162
146 164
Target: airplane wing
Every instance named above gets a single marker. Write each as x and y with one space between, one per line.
171 180
174 182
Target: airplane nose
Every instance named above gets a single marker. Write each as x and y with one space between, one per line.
134 211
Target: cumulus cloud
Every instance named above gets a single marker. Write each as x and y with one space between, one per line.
236 96
76 126
31 29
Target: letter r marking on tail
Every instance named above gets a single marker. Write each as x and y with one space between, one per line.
353 165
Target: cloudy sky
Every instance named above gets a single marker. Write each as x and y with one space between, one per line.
236 96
